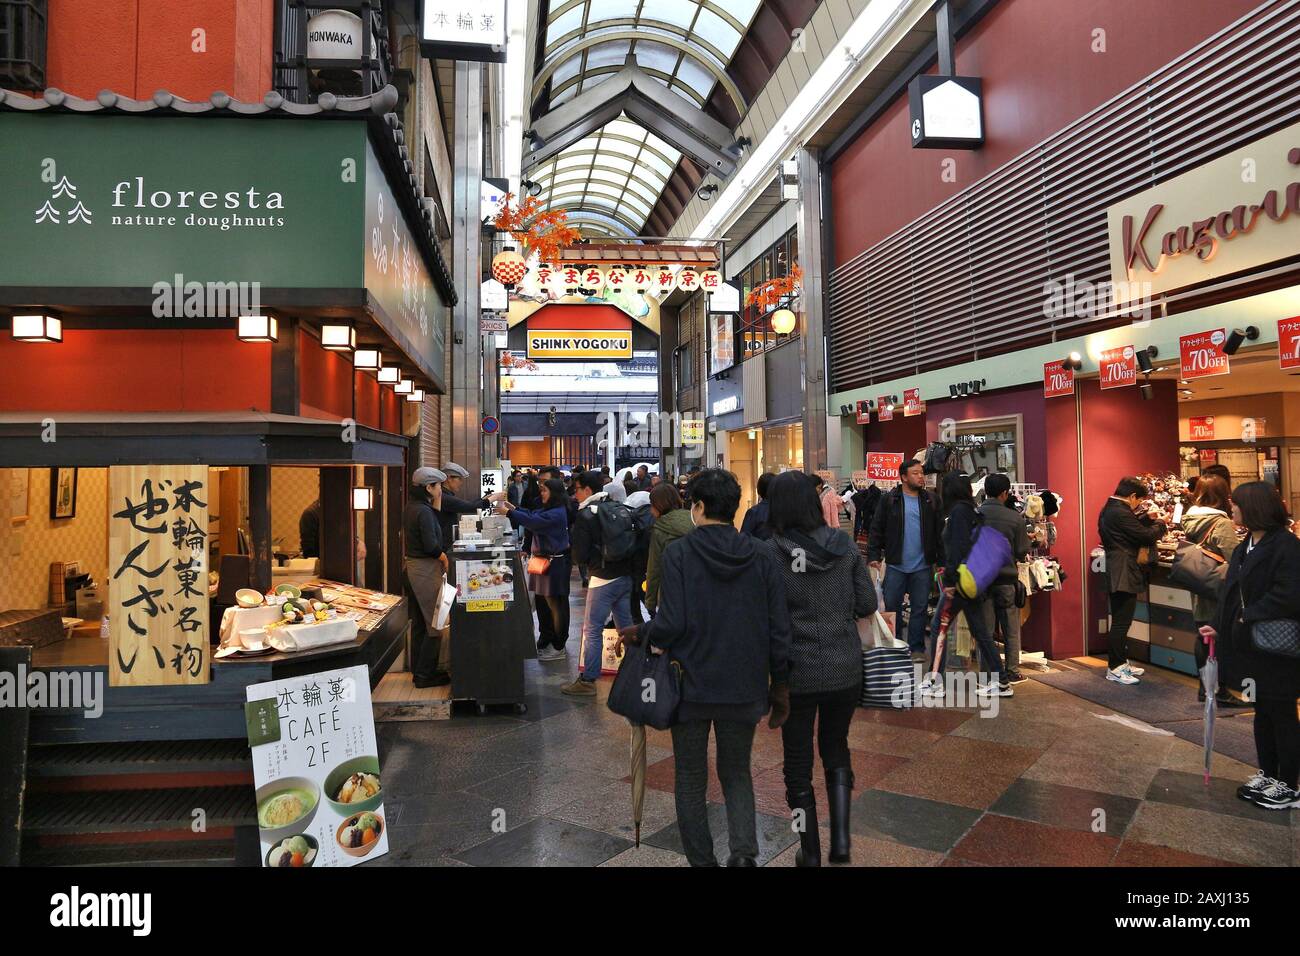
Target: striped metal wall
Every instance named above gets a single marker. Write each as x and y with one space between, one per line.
967 278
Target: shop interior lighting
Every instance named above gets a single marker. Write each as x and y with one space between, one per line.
338 337
1073 361
404 387
1144 357
367 360
363 499
37 328
1148 390
1238 337
417 395
258 328
390 374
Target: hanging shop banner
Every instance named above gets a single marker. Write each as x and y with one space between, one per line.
490 482
692 431
1118 367
492 325
912 404
722 342
320 795
1212 221
158 575
1209 456
1288 342
860 478
579 344
1201 428
1058 381
886 409
485 580
1202 354
464 30
883 466
864 413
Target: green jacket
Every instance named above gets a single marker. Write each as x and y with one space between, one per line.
1215 530
667 529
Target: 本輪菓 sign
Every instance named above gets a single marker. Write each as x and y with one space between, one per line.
158 575
464 30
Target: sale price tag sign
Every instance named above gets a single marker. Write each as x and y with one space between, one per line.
1202 354
883 466
1288 341
1119 367
1201 428
912 404
886 409
1058 380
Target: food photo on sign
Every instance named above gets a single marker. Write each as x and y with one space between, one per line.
320 791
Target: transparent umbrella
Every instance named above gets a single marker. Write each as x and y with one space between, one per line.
1210 681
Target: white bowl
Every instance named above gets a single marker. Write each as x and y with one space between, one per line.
253 639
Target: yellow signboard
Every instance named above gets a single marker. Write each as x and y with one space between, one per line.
471 606
579 344
692 431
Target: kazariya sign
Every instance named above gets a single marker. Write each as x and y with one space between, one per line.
1232 214
579 344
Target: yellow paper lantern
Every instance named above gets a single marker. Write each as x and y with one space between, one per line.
783 321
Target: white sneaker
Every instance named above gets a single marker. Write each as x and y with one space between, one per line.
932 687
1135 671
1253 787
1122 675
1277 796
994 689
552 654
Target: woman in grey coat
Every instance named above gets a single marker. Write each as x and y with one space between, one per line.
827 588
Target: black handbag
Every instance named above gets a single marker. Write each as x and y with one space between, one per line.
1198 569
1280 636
647 688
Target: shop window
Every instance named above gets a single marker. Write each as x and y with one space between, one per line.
22 44
990 446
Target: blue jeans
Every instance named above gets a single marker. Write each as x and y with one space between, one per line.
612 597
977 621
917 585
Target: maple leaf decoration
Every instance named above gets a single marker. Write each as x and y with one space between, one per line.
541 230
510 360
773 291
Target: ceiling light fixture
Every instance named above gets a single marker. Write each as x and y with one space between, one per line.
1072 361
1238 337
36 328
258 328
1144 357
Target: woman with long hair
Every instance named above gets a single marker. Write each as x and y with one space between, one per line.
827 588
1208 523
959 529
548 578
1263 585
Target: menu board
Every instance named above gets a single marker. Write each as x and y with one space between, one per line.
158 575
320 794
485 580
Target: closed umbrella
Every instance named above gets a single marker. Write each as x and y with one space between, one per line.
1210 680
637 756
941 638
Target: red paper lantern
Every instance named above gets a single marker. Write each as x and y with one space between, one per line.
509 267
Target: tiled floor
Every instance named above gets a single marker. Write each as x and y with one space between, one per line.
1046 782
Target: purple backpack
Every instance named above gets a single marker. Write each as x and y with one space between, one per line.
990 552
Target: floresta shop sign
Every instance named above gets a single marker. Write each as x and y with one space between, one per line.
1234 213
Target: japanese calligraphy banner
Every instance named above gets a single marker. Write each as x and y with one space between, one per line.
158 575
320 793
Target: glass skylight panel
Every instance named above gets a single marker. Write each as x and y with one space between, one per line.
715 30
566 22
695 76
656 56
612 53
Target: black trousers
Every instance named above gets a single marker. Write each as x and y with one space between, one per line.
426 643
735 741
1122 606
833 713
552 620
1277 740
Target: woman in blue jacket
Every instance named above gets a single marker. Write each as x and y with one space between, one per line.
549 525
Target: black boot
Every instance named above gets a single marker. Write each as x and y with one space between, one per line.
839 794
810 840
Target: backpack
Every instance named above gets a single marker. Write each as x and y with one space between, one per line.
643 520
618 533
990 552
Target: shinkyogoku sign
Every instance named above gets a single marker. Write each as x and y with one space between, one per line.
579 344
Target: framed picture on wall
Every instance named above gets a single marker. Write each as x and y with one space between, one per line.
63 493
20 486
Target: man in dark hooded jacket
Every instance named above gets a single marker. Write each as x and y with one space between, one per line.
722 616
